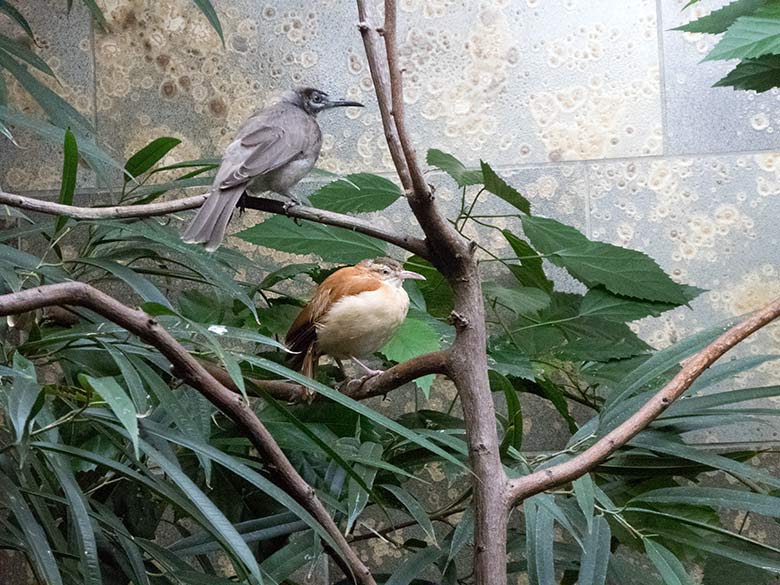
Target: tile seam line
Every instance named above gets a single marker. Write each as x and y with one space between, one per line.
661 74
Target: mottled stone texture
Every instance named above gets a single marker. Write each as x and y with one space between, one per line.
594 109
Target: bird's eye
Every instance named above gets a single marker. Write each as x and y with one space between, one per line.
317 98
386 271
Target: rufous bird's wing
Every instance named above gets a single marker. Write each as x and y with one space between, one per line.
302 336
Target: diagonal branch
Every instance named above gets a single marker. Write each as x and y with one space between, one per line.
380 385
149 330
524 487
410 243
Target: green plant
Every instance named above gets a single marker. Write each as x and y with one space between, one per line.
751 33
116 467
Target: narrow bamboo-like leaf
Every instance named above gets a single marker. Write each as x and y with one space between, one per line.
284 562
353 405
87 543
148 156
544 540
357 496
97 13
671 569
140 284
701 403
585 494
70 166
596 554
415 509
502 189
130 376
10 10
207 9
232 540
21 52
329 243
358 193
414 566
463 533
530 513
513 433
22 396
38 546
750 36
454 168
119 402
723 498
719 20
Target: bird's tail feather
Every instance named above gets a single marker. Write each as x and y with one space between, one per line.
210 223
310 362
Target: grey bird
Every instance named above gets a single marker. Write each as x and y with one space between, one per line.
272 151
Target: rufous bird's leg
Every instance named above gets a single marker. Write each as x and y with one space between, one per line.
341 366
368 370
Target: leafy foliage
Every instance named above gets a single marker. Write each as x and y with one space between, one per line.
751 33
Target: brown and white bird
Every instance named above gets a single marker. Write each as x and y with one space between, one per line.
353 313
273 150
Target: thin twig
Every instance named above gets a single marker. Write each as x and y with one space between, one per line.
524 487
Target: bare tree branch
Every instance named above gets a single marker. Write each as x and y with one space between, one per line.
150 331
379 385
453 256
524 487
410 243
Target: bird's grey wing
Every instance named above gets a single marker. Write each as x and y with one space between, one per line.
263 146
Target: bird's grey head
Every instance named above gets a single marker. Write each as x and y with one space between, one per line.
313 101
389 270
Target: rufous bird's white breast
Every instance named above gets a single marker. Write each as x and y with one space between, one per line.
359 325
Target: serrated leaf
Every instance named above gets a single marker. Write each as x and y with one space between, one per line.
671 569
530 272
454 168
719 20
70 165
119 402
750 36
148 156
358 193
521 300
502 189
413 338
619 270
595 554
511 362
329 243
601 303
287 272
760 74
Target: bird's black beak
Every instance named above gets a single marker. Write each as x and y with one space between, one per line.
344 104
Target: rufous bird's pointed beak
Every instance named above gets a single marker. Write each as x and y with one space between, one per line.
411 275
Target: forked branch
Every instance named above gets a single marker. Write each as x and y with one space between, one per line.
544 479
149 330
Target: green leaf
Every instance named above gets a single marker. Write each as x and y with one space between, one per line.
502 189
207 9
671 569
543 540
596 554
463 533
454 168
601 303
435 289
726 499
23 395
530 272
718 570
358 193
329 243
148 156
696 404
719 20
144 287
510 362
357 496
119 402
96 13
413 338
18 50
13 13
415 566
619 270
522 300
415 509
78 509
70 165
513 433
287 272
585 493
760 75
750 36
38 547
